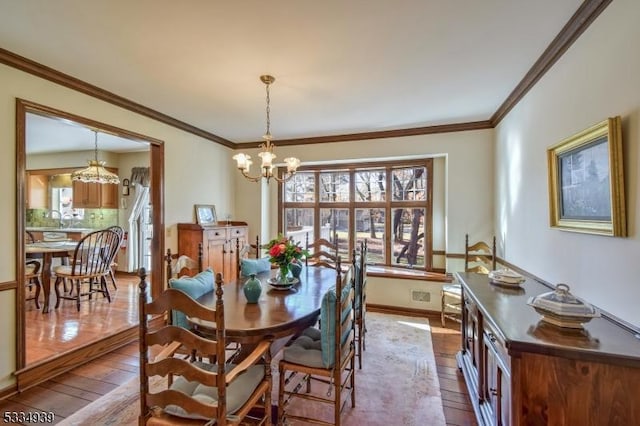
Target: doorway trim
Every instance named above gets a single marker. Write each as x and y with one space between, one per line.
64 362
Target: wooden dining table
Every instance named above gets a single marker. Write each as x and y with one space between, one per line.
48 250
278 314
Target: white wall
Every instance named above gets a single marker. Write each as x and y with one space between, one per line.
196 171
598 77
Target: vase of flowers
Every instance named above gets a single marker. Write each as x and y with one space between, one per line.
282 252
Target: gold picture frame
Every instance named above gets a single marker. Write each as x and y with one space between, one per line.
586 181
206 214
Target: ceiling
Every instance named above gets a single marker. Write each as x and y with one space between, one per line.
341 67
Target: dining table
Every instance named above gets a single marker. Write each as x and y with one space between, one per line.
48 250
278 314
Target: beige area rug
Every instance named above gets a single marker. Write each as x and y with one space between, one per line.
398 383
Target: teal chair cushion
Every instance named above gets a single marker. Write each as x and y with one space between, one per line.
195 287
254 266
328 324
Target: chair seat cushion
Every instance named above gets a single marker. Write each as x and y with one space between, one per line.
195 287
306 349
254 266
238 392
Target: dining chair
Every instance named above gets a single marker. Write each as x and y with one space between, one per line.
181 265
114 264
478 257
92 257
325 355
321 253
193 391
32 278
360 298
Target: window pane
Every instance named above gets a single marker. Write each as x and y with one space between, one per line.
334 227
370 185
334 186
298 223
408 237
409 183
370 226
300 188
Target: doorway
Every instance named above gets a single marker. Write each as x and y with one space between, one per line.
30 373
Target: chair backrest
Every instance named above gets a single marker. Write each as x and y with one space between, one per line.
360 277
321 253
29 238
248 252
479 257
170 337
181 265
336 317
94 253
118 230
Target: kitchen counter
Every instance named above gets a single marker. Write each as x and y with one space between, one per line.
51 233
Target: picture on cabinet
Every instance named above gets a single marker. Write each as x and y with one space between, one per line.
206 215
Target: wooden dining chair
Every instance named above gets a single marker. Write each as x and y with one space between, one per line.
114 264
91 260
321 253
478 257
360 298
178 265
197 392
333 365
32 279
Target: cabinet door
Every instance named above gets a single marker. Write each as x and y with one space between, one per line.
109 196
215 252
496 386
86 195
37 191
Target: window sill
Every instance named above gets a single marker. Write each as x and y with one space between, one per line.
406 274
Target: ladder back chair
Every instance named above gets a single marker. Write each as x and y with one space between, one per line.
91 260
478 257
333 365
195 392
321 253
32 278
360 298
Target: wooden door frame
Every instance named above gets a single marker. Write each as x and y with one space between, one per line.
30 375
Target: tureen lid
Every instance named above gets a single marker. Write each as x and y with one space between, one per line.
561 302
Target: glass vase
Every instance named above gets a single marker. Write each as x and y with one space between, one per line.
283 273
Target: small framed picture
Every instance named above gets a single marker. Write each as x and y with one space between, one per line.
206 214
586 181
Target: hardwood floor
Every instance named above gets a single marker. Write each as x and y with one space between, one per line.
72 391
65 328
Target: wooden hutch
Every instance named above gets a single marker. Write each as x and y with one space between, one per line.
522 371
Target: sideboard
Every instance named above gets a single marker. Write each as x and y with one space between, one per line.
522 371
220 244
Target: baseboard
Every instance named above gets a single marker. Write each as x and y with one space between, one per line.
400 310
8 391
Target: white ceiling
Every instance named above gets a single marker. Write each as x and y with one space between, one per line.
340 66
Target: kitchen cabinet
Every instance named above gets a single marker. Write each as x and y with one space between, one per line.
95 195
37 191
522 371
220 245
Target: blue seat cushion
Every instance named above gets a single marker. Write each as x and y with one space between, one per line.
195 287
238 391
254 266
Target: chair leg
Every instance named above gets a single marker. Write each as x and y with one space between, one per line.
56 287
105 289
113 278
282 372
36 281
78 284
442 319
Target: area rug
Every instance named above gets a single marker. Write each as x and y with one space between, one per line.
398 383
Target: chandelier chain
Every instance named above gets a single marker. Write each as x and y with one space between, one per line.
268 109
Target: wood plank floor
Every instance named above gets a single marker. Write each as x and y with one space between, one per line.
71 391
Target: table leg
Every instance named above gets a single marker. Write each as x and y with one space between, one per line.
46 280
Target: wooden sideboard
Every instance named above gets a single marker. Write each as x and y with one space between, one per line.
220 245
522 371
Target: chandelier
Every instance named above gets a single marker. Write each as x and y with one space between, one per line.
95 173
266 155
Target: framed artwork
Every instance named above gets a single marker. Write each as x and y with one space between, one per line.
206 214
586 182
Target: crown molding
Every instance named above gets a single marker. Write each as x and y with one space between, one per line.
588 11
43 71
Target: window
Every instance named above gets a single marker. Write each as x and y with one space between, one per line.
389 205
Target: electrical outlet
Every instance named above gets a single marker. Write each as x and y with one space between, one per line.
420 296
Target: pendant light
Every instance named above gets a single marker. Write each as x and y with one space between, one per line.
95 173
